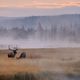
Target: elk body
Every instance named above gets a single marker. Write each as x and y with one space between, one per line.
22 55
11 54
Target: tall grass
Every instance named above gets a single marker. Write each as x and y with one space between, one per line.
23 76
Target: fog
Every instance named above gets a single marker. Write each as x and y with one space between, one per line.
5 43
40 31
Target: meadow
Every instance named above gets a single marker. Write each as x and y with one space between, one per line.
41 64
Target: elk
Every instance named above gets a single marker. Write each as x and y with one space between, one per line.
22 55
13 53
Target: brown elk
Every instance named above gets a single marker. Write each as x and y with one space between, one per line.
22 55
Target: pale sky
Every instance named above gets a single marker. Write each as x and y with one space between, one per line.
19 8
38 3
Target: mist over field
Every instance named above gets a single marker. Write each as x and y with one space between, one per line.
40 31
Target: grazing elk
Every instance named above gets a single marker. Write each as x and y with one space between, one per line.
22 55
13 53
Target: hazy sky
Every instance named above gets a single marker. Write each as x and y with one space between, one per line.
39 3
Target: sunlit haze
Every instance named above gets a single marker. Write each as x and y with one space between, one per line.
39 3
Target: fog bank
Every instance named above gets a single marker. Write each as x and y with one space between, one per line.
35 43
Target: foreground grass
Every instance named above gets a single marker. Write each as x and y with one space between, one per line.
40 76
19 76
28 76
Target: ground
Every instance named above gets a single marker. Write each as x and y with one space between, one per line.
57 60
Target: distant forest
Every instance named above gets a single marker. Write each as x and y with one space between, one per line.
54 32
65 27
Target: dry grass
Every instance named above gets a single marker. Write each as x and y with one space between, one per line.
60 60
12 65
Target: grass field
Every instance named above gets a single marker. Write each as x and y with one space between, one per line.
41 64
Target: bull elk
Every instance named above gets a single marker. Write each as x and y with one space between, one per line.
12 53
